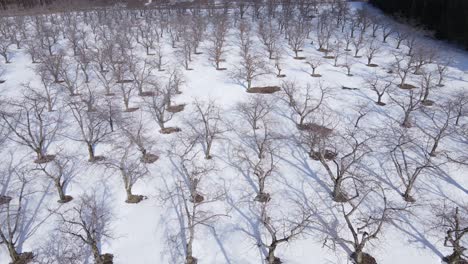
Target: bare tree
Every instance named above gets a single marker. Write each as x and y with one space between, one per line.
409 162
218 40
281 230
437 124
136 132
269 36
251 65
314 63
461 105
92 126
365 224
402 67
348 64
157 105
303 101
61 172
28 115
206 124
427 84
379 85
297 34
22 211
53 64
128 163
346 151
452 220
358 44
409 101
442 70
372 50
254 110
187 195
5 49
88 222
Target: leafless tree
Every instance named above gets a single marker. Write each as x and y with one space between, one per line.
92 126
30 114
314 63
348 64
22 211
303 101
269 36
282 229
70 77
5 49
366 216
297 34
423 55
61 172
206 124
189 196
88 222
401 35
254 110
387 30
344 150
442 70
252 65
436 124
128 164
136 132
141 74
427 85
452 220
358 43
460 101
402 67
157 105
217 40
379 85
410 163
409 101
54 65
372 50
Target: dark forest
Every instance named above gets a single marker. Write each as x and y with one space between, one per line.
447 18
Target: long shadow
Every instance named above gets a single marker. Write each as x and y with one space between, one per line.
417 235
301 162
254 224
220 244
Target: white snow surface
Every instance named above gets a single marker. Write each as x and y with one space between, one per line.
141 230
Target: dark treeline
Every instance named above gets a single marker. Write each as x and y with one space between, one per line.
448 18
27 4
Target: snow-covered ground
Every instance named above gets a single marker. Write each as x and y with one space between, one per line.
146 232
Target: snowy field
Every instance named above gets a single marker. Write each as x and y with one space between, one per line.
308 166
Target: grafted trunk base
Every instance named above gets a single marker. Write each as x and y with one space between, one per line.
191 260
149 158
44 159
107 258
97 159
66 199
24 258
454 259
365 258
262 197
134 199
170 130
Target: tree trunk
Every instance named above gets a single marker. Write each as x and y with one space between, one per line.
91 152
271 253
60 190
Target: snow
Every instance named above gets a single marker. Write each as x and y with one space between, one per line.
140 230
